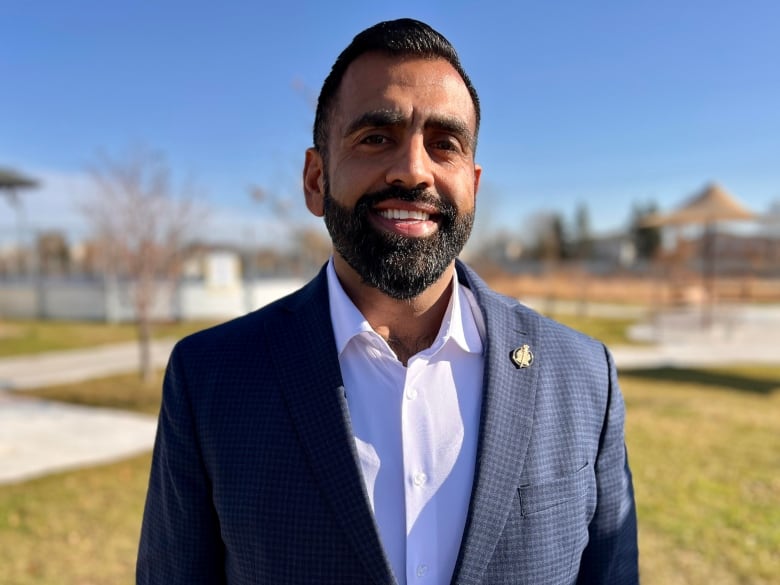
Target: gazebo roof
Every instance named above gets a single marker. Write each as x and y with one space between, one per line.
10 179
711 204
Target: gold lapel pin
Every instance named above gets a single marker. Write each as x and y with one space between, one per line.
522 357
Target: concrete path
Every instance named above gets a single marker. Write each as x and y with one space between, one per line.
76 365
38 437
737 335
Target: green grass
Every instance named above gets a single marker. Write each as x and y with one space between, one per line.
126 392
705 452
76 528
610 331
704 448
79 527
19 337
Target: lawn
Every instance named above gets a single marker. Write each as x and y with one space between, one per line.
124 391
610 331
704 447
705 452
76 528
18 337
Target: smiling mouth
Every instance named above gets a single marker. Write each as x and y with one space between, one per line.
411 223
404 214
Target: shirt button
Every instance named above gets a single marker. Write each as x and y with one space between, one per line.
422 570
411 394
419 479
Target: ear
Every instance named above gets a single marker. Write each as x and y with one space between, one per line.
477 177
314 182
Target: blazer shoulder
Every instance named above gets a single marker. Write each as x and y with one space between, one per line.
563 338
563 333
505 308
246 330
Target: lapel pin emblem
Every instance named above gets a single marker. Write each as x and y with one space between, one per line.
522 357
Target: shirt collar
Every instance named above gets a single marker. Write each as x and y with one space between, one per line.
460 323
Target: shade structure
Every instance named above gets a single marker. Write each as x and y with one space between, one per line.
711 205
10 181
10 184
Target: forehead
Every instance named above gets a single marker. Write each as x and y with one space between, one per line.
414 86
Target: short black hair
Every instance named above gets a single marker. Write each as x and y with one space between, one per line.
402 37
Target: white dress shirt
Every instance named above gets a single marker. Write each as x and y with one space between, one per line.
415 430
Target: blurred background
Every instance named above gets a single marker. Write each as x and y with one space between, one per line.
150 161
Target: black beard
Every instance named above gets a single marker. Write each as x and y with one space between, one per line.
401 267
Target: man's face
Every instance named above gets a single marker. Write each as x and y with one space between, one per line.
398 185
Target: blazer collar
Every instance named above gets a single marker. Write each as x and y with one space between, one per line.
309 374
505 425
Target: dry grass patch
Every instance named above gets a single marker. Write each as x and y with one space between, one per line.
21 337
125 392
607 330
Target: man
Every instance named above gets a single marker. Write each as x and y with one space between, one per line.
394 421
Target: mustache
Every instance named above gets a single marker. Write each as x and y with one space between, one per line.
418 195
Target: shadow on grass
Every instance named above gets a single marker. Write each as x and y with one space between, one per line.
726 379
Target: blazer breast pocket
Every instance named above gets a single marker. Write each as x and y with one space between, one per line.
536 498
546 531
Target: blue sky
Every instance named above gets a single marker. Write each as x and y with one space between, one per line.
607 103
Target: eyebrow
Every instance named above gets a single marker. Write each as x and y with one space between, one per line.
375 119
389 118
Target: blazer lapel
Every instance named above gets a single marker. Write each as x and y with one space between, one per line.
505 426
310 379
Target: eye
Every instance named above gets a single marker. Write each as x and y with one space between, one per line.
374 139
447 144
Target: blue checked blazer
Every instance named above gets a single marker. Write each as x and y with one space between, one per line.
255 478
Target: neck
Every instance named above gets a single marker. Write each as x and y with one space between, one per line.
408 326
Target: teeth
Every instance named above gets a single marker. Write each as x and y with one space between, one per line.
404 214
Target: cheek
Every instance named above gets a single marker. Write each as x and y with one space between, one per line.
462 193
349 181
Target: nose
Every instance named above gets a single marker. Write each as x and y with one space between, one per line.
412 166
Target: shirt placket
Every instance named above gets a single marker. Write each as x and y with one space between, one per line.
418 444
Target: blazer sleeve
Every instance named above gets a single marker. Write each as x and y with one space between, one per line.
180 537
612 554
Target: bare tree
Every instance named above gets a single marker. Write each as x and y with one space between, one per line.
583 239
53 253
307 246
647 239
141 225
546 236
